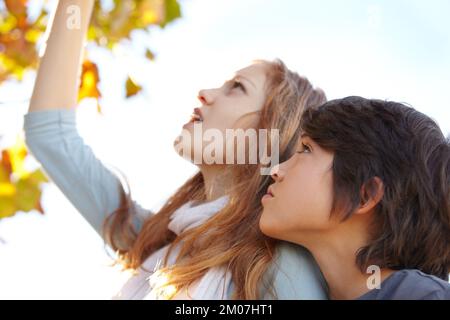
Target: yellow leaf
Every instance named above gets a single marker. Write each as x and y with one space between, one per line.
132 87
28 195
7 189
89 80
32 35
38 177
17 154
152 11
149 17
7 207
9 23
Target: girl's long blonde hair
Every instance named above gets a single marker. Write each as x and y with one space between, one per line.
231 238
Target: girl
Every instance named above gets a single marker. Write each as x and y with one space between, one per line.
205 242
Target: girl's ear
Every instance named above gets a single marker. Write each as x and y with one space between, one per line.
371 194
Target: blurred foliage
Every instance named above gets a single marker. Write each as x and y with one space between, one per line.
19 188
111 23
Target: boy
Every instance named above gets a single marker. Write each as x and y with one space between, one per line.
368 194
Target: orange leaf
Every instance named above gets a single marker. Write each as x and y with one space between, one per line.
39 207
17 7
6 163
89 82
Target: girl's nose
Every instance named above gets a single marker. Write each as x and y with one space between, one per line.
203 97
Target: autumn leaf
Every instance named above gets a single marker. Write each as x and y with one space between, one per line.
19 35
19 188
149 55
172 12
132 88
16 155
5 164
17 7
89 83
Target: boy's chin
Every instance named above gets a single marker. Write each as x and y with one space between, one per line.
266 225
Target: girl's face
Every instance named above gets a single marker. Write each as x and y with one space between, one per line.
299 202
234 105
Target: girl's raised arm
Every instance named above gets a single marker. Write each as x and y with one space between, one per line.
50 125
56 84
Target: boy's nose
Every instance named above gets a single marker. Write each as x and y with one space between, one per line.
277 173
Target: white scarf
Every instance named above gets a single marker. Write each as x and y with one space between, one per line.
214 285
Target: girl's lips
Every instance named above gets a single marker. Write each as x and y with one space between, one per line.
198 113
196 116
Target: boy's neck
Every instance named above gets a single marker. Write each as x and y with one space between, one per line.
345 280
336 255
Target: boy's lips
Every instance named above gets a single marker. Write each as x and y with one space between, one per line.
268 195
270 191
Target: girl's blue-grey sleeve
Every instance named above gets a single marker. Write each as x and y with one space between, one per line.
295 275
94 190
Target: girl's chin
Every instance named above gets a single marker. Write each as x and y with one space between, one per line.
190 124
189 156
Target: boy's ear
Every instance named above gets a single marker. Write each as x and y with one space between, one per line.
371 194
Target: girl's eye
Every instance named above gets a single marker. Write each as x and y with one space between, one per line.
305 149
237 84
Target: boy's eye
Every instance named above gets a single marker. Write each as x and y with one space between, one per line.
305 149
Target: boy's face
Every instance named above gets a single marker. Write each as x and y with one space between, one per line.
301 196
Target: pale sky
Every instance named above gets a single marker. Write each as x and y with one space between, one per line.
397 50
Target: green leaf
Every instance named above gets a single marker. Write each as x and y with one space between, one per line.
173 12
